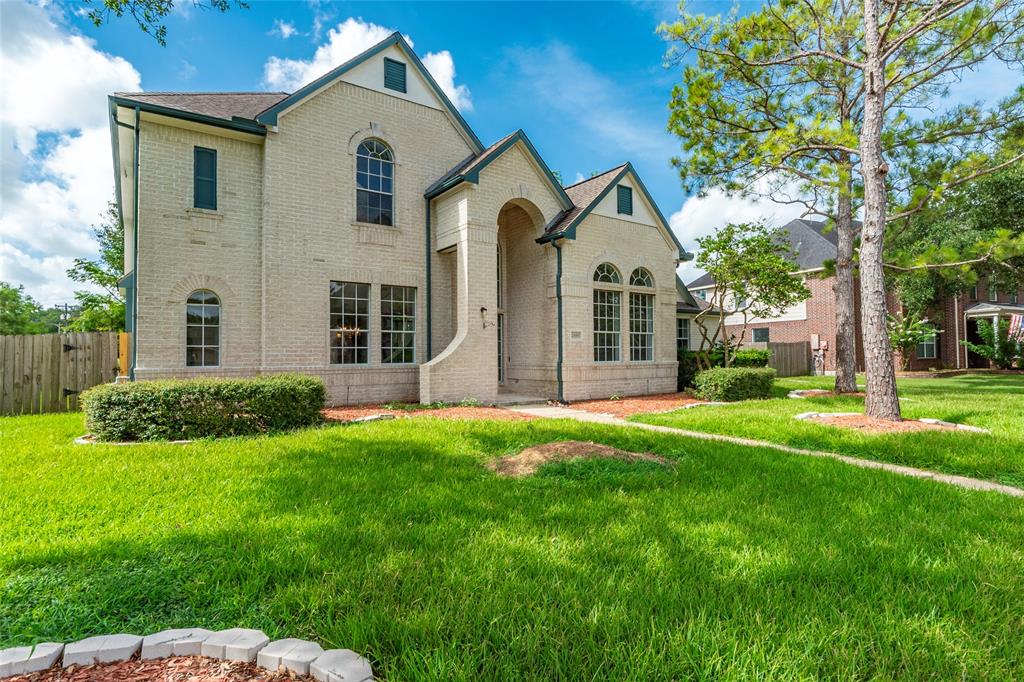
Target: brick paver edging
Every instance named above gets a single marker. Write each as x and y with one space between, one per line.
553 412
234 644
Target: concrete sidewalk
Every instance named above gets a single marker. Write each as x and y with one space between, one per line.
555 412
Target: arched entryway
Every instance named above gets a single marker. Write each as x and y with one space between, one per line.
523 318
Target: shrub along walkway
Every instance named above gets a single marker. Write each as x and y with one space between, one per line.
555 412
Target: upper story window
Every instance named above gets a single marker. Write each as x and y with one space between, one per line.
625 199
375 173
641 278
993 293
607 274
202 329
204 194
394 75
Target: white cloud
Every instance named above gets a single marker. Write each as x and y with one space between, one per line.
700 216
57 175
442 67
348 39
187 71
283 28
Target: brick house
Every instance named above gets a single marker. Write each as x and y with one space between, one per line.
357 229
814 320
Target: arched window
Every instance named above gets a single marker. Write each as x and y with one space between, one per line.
202 329
607 274
641 278
375 178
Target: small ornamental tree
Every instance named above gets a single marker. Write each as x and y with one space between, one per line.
906 332
753 278
997 345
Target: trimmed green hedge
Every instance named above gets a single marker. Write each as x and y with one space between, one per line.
726 384
751 357
202 408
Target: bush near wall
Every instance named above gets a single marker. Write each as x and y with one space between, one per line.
751 357
687 369
727 384
202 408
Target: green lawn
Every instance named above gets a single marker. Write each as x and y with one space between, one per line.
994 402
393 539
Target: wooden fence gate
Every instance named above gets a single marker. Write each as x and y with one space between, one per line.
790 359
46 372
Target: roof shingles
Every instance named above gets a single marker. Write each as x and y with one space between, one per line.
225 105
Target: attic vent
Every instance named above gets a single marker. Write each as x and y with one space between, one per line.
625 199
394 75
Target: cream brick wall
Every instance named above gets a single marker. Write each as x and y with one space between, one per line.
286 226
626 245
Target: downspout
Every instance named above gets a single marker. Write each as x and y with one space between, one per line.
558 298
426 239
135 255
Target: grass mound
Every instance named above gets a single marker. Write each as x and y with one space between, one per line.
529 461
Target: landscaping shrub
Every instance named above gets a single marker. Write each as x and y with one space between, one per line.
687 369
734 383
751 357
200 408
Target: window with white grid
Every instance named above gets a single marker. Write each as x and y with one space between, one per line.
607 325
375 171
397 325
202 329
350 323
682 333
641 327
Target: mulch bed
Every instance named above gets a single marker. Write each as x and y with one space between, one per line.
174 669
645 404
867 424
528 461
348 413
822 393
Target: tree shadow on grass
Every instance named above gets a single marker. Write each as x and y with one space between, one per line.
399 544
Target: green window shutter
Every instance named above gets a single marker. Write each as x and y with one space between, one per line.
205 179
394 75
625 197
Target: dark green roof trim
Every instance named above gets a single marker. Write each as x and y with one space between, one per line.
269 116
570 231
239 124
476 165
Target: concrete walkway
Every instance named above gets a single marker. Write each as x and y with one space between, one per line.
553 412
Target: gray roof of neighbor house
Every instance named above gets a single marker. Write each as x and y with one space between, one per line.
812 242
225 105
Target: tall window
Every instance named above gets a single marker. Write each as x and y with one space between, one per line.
926 350
397 324
641 278
202 329
350 323
204 177
682 333
993 293
375 176
607 325
641 327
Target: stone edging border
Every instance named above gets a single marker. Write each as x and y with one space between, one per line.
804 416
296 656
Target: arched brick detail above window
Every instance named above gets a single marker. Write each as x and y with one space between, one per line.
185 286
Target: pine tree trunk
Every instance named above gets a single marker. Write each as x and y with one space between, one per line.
881 401
842 289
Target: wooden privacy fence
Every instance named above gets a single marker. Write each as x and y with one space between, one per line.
790 359
47 372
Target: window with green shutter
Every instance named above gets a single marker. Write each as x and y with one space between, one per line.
394 75
625 199
205 179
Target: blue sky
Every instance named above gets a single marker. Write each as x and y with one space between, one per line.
586 81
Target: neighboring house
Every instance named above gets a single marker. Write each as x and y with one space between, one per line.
688 333
357 229
812 320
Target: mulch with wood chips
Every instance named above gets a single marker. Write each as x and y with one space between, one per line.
868 424
174 669
644 404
